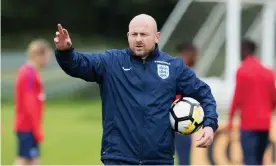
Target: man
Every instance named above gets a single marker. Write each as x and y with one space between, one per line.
188 52
255 97
29 100
138 86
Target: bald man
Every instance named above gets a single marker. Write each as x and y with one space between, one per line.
29 100
138 85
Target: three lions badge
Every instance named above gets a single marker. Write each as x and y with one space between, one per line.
163 71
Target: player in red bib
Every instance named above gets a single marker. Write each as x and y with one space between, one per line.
29 101
255 99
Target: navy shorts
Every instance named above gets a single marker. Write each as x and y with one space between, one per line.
254 144
27 147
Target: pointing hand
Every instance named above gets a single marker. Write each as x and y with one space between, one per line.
62 39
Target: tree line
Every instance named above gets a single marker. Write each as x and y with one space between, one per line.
105 18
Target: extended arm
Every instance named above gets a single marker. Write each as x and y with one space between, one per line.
89 67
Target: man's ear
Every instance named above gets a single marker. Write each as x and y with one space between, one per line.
157 37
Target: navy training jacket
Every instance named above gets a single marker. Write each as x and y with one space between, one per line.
136 97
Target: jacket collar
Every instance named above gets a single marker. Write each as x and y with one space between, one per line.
153 55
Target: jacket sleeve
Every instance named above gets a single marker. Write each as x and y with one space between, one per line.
189 85
87 66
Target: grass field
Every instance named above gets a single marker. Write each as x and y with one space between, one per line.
72 129
72 133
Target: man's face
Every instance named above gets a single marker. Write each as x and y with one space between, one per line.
142 38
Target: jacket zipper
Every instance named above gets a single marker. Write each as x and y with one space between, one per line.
144 64
141 147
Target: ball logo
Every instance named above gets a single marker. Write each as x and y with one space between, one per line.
189 128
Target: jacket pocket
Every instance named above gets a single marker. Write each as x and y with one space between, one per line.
162 136
114 138
166 142
110 137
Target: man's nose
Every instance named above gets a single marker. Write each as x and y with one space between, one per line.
138 38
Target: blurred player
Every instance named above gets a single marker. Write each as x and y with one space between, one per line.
29 100
255 97
183 143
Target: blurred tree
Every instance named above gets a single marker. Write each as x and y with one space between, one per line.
105 18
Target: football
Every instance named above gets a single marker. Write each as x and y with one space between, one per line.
186 116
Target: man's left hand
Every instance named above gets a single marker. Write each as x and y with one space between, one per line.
206 138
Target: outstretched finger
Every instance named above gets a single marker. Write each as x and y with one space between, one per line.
60 29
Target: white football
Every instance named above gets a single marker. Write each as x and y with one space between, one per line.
186 115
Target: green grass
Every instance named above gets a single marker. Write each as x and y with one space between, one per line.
72 133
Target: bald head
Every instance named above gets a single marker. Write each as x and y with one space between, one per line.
145 19
142 35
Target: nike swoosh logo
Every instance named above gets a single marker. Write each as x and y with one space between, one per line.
126 69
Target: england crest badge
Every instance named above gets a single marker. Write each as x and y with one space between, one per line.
163 71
